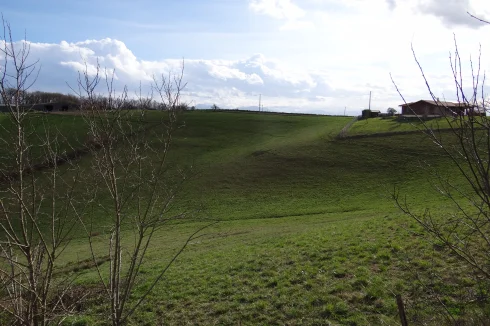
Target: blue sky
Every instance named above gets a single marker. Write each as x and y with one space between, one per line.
318 56
151 29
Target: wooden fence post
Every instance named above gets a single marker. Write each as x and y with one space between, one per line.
401 310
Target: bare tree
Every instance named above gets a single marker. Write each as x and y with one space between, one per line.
129 164
127 181
36 219
465 233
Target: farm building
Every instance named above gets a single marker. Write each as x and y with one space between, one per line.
370 114
437 108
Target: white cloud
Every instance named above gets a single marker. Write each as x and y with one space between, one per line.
225 73
352 49
452 12
237 83
297 25
229 83
90 69
391 4
279 9
284 10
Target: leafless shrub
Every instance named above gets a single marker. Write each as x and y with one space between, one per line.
126 181
35 217
464 235
130 172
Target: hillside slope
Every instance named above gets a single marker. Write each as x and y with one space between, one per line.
291 165
308 232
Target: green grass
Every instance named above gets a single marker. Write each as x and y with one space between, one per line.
393 124
302 172
69 132
308 235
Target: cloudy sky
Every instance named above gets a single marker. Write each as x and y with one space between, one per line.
316 56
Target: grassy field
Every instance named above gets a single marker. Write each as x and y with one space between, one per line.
294 166
308 232
394 124
69 132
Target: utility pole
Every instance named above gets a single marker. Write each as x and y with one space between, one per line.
345 108
260 98
369 100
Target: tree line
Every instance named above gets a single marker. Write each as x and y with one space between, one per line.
14 96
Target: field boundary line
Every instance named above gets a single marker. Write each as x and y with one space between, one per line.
343 132
394 133
59 160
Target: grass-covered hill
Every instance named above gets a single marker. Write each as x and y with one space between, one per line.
290 165
398 124
309 233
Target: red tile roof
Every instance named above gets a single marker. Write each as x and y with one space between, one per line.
441 103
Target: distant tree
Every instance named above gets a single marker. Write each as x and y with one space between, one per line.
182 107
37 97
391 111
214 107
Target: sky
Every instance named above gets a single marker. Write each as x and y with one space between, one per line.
305 56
